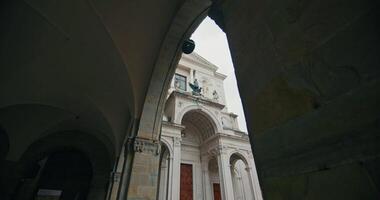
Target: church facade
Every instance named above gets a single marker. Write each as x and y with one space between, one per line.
204 155
84 85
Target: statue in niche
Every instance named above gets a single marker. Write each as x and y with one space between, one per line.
195 87
215 95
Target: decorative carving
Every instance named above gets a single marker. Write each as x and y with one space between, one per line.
177 141
218 150
146 146
213 152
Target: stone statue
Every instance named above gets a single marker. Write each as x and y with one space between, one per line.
195 87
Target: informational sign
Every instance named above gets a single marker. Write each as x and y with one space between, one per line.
47 194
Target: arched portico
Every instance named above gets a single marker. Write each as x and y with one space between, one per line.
307 73
25 177
186 20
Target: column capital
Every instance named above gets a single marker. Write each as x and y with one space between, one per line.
218 150
142 145
177 141
222 149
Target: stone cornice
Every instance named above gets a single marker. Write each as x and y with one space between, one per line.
173 125
197 99
235 130
199 61
223 135
220 75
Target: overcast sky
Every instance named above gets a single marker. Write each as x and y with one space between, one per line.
211 43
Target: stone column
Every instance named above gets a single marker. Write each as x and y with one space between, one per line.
206 180
163 187
144 173
170 178
175 186
225 174
240 192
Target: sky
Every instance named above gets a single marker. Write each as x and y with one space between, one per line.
211 43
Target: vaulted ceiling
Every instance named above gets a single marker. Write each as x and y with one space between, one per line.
78 64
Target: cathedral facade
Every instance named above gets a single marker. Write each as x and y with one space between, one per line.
204 155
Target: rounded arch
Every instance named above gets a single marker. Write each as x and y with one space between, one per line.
165 142
101 159
41 120
187 19
211 116
69 171
198 124
239 155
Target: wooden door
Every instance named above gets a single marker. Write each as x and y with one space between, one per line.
186 185
216 188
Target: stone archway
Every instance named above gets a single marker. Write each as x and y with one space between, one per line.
65 174
204 112
201 123
241 177
30 167
188 17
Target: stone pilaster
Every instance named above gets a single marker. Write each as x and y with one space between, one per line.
176 168
254 179
143 183
225 174
206 180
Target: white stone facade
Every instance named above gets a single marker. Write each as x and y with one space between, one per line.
198 130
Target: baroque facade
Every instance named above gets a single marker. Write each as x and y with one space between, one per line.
204 155
83 86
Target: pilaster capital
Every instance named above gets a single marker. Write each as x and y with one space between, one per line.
147 146
218 150
222 149
177 141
